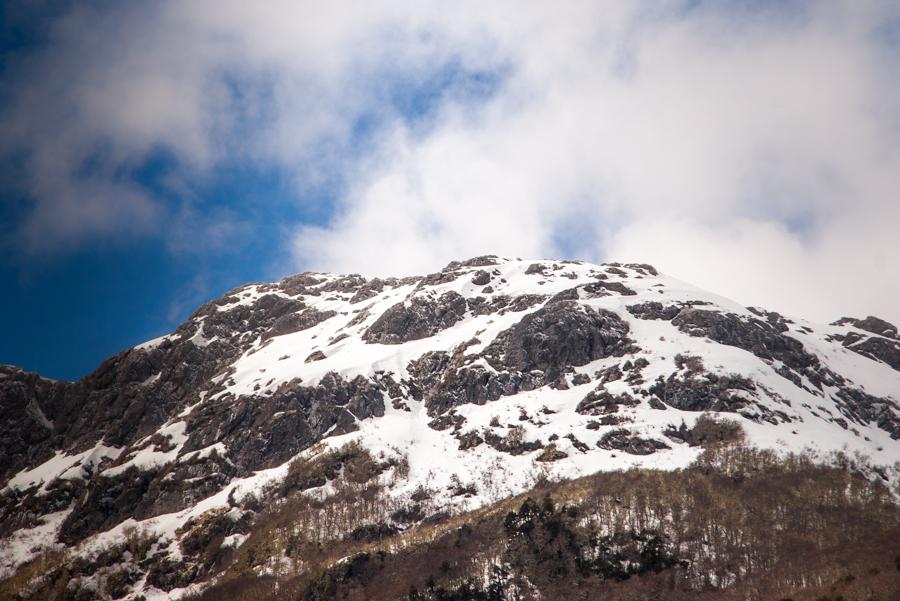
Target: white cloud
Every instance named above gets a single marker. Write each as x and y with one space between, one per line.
755 158
755 151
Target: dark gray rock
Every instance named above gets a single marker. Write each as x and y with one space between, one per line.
704 393
864 408
481 278
559 334
761 338
599 402
654 310
418 318
884 346
296 322
503 304
482 261
871 324
624 440
314 356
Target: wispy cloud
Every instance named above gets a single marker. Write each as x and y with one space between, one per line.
753 148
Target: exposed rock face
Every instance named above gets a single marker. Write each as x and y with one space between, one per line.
623 440
863 408
26 400
764 339
879 348
481 278
534 362
295 322
532 353
420 318
444 382
883 346
265 432
560 334
871 324
654 310
711 392
599 403
759 337
502 304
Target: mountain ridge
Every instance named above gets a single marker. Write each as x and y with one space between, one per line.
475 382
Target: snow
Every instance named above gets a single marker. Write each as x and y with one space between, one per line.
434 457
25 543
152 344
62 465
148 456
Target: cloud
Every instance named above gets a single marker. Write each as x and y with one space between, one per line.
754 154
751 148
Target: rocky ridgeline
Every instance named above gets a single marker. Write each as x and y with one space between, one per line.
595 363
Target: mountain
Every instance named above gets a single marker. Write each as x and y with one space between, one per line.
380 415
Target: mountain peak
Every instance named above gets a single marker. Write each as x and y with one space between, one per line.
472 383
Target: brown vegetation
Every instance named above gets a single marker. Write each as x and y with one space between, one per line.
739 524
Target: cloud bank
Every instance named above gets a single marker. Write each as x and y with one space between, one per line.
754 151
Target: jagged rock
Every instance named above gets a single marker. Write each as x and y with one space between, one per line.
706 431
884 346
871 324
600 402
368 290
776 320
551 454
642 268
864 408
502 304
265 432
580 446
600 289
624 440
314 356
654 310
579 379
296 322
242 415
447 387
707 393
559 334
481 278
609 374
512 442
420 318
761 338
879 349
482 261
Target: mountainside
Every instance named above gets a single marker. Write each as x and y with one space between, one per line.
453 392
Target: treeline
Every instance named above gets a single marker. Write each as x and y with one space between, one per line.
738 524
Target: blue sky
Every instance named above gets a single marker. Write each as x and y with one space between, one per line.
154 156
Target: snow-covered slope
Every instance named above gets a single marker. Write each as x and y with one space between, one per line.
478 380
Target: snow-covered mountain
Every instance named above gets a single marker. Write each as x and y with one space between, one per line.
472 384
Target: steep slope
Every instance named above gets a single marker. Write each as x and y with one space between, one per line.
472 384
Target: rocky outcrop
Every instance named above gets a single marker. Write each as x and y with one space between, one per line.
28 406
622 439
296 322
420 317
220 399
265 432
654 310
883 346
560 334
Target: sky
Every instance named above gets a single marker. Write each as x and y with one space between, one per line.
155 155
